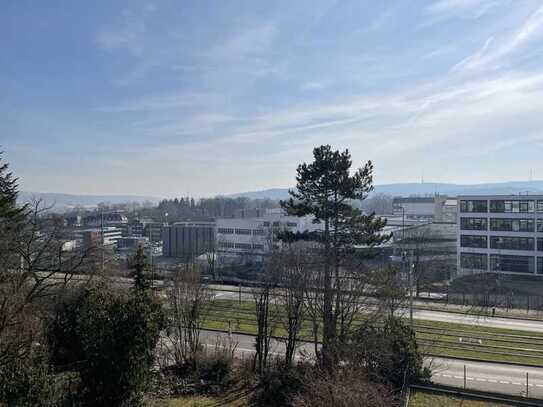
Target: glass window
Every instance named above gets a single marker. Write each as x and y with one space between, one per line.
511 243
540 265
227 231
540 225
473 223
473 241
476 261
512 225
497 206
514 264
243 231
540 244
540 206
473 206
512 206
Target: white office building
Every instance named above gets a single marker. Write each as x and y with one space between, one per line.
500 234
256 235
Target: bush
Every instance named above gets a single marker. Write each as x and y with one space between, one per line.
109 338
344 388
389 354
278 386
28 382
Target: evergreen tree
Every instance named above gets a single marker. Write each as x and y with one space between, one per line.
325 190
8 194
140 280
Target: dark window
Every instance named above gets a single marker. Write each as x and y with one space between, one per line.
258 246
540 206
243 231
246 246
512 206
512 225
477 261
258 232
292 224
227 231
514 264
473 224
540 244
540 265
473 206
540 225
511 243
479 242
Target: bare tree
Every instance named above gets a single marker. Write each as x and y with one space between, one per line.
190 299
292 287
426 253
265 318
34 266
379 203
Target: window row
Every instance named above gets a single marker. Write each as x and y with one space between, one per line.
501 206
231 231
479 242
501 225
505 263
473 223
511 243
512 225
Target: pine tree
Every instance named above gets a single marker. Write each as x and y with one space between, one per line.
325 190
8 195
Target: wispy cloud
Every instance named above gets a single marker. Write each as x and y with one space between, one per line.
495 53
474 9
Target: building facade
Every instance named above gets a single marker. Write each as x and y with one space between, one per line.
500 234
440 209
188 239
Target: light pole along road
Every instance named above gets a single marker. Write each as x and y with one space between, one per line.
491 377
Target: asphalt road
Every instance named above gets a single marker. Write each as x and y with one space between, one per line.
492 377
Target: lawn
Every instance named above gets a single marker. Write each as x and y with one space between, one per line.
435 338
420 398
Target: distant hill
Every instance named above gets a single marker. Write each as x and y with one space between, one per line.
61 202
426 189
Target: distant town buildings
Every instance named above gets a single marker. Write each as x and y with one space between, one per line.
500 234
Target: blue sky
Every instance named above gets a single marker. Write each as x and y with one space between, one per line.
201 97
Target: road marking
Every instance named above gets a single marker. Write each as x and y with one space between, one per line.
446 375
504 382
492 381
516 383
458 377
480 380
539 385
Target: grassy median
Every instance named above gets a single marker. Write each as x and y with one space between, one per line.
435 338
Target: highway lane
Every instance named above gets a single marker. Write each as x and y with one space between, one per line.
492 377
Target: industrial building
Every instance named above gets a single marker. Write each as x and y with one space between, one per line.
439 209
188 239
500 234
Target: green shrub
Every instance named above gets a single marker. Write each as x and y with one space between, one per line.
109 338
28 382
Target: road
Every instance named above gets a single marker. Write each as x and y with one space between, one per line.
492 377
231 293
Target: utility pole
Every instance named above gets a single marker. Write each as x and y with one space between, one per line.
102 240
410 280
